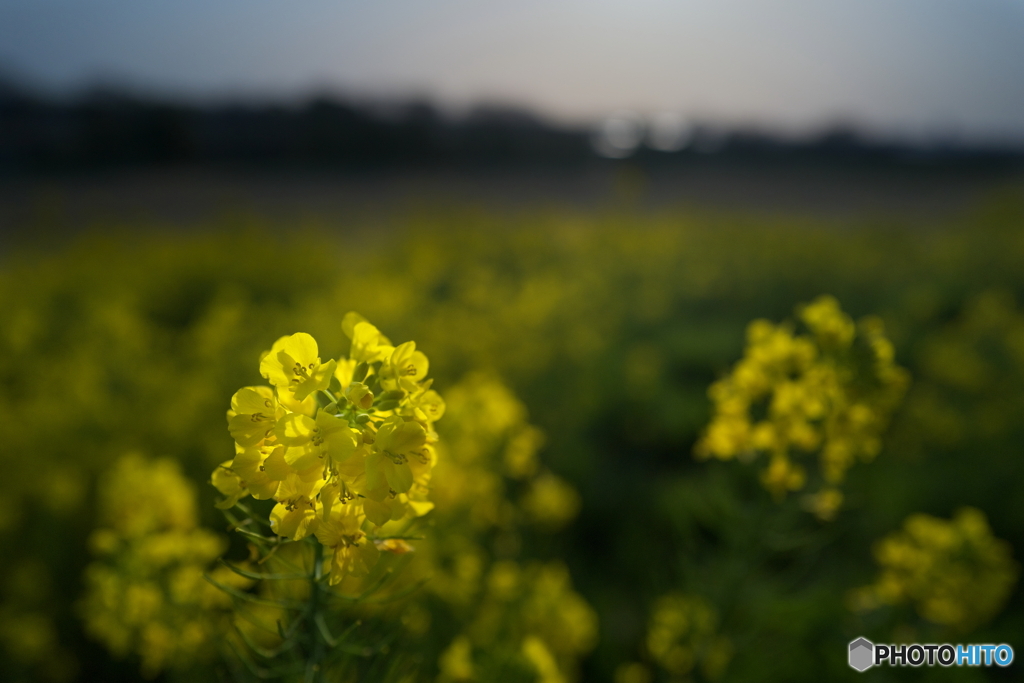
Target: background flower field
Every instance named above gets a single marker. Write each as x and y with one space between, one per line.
575 534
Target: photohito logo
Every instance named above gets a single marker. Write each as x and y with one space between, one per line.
864 654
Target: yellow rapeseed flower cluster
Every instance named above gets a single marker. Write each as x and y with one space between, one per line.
344 447
682 635
954 572
829 391
145 593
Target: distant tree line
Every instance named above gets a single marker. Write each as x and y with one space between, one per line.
115 129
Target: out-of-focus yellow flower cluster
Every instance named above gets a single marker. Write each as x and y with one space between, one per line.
954 572
513 616
145 593
682 635
345 447
28 635
830 391
487 441
526 613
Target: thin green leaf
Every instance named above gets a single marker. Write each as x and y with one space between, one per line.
283 604
260 576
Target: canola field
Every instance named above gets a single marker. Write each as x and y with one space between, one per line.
621 447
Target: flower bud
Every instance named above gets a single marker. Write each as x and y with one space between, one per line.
359 395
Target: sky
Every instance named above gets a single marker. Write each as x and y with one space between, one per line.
952 68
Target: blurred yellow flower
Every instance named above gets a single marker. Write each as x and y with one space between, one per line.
954 572
145 593
831 391
682 635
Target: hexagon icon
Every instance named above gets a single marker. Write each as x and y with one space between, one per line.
862 654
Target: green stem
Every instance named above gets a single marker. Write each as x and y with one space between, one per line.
319 650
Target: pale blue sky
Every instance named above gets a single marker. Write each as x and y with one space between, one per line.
919 66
